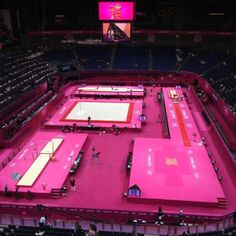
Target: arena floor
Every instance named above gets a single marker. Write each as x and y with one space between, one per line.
101 182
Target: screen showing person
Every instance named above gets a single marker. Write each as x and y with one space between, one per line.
116 32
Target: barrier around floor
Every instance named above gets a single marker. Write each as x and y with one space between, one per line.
225 223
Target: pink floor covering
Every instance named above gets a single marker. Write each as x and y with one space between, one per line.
167 169
55 172
56 119
100 183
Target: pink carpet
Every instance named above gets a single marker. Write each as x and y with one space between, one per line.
55 172
100 184
165 170
178 168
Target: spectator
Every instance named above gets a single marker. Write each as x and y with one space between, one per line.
159 216
78 230
92 230
134 233
181 217
93 227
43 221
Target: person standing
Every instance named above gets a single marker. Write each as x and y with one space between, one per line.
160 215
42 221
181 217
89 120
5 190
72 183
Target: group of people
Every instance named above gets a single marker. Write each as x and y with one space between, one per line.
64 189
95 154
160 215
92 231
202 94
7 193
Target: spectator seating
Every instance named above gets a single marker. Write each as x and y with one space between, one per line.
19 119
92 57
21 72
200 61
58 56
222 78
164 58
131 58
30 230
221 70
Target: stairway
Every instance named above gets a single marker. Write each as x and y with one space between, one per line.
113 54
150 59
186 59
55 193
77 60
222 203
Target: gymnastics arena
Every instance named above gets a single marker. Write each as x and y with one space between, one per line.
143 121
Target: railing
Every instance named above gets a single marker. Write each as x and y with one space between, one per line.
142 228
215 125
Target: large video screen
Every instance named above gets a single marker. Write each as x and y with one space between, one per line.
116 32
116 11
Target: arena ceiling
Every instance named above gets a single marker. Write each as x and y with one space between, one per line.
161 14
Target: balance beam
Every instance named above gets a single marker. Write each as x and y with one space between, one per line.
114 89
39 164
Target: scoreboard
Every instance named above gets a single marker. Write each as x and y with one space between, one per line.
116 11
